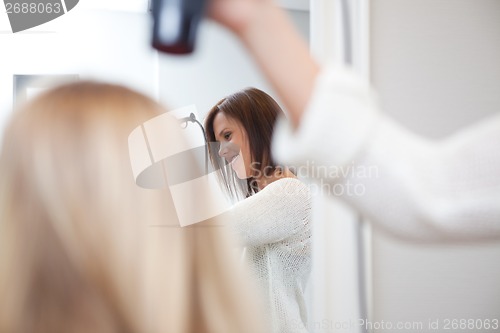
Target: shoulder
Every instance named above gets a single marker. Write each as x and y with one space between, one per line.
287 183
292 197
292 189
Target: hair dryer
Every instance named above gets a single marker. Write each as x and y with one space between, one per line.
175 24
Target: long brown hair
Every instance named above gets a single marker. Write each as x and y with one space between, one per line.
257 113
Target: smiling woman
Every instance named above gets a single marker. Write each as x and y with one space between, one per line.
241 127
272 220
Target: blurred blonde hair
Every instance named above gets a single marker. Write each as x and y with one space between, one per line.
83 249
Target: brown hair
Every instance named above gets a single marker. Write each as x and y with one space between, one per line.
79 250
257 113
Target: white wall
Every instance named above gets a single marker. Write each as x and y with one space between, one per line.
96 44
436 67
436 63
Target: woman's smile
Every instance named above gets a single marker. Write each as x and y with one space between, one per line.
234 159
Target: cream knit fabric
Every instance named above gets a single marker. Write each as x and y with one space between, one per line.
412 187
274 225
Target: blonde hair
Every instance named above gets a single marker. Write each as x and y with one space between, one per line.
83 249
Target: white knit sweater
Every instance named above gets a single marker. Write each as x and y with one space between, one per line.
274 225
410 186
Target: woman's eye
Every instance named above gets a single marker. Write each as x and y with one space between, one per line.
227 136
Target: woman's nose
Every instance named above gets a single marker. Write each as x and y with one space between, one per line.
223 149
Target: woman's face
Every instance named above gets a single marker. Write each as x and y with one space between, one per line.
234 146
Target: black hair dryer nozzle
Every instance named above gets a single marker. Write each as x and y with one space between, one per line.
175 24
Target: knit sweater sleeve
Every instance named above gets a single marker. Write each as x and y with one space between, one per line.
408 185
275 213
